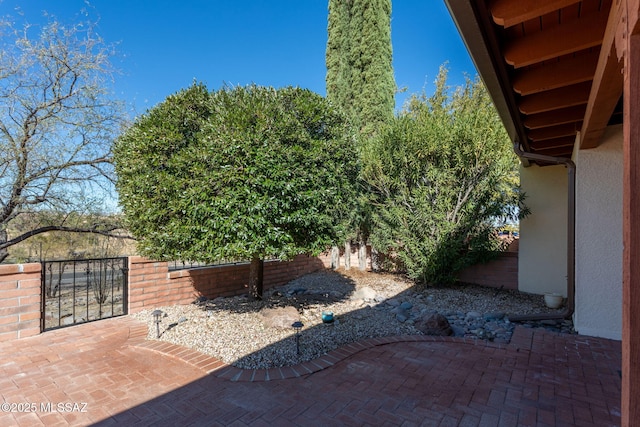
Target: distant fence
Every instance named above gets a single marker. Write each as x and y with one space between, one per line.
186 265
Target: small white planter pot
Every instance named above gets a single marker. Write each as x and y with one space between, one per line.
553 300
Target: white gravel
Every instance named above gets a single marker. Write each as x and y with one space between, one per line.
233 329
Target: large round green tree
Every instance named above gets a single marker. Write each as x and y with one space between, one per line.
240 173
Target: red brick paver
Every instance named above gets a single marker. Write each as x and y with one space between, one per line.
106 373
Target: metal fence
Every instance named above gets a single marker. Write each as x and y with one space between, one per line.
80 291
186 265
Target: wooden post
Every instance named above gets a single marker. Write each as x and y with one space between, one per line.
362 256
335 258
375 260
631 236
347 255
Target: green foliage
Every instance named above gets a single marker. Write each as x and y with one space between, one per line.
359 61
239 173
441 176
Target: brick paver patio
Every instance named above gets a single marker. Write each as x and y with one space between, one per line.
105 373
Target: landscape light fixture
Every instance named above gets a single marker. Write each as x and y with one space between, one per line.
157 317
297 326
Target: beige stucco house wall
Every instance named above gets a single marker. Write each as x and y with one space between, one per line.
599 237
542 265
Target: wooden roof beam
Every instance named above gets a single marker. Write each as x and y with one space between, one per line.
564 39
561 142
554 152
552 132
607 84
564 72
508 13
568 96
555 117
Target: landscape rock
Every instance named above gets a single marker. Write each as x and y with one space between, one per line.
458 331
406 305
233 329
365 293
379 299
493 316
279 317
434 324
200 300
402 316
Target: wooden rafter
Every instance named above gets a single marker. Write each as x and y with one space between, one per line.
576 69
565 141
556 117
554 152
552 132
568 96
507 13
561 40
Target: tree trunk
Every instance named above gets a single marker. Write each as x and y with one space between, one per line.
256 277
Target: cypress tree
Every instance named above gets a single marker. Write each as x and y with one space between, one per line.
337 56
359 61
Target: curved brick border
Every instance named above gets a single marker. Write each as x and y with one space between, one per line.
211 365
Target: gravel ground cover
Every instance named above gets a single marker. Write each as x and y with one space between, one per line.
240 331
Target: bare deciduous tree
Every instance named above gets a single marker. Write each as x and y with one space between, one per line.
57 123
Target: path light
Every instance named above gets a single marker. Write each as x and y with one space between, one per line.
297 326
157 315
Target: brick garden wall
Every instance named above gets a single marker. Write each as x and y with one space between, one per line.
19 301
501 272
151 284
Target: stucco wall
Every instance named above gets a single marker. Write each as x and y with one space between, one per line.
542 265
599 238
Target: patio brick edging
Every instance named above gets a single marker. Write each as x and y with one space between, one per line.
212 365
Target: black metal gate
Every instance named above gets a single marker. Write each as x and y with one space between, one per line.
80 291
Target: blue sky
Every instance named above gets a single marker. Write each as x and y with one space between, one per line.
164 45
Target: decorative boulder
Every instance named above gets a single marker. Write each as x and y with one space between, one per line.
281 317
434 324
364 293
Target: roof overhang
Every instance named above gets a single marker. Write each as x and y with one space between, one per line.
551 66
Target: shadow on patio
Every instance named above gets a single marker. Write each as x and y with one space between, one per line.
539 378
